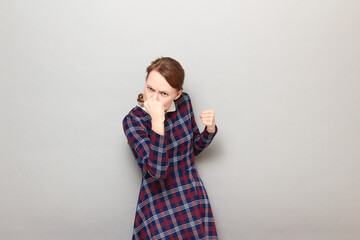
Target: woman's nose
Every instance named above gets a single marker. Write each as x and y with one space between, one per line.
156 96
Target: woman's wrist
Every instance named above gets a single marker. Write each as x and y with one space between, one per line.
158 127
211 129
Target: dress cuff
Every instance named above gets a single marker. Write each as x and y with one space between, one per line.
208 134
157 138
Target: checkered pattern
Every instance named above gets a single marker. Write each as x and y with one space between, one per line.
173 203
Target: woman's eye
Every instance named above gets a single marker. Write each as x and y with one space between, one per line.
164 94
150 89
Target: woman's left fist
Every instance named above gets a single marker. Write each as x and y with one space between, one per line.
208 119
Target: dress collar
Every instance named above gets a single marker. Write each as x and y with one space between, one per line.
172 108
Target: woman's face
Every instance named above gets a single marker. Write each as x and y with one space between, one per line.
157 87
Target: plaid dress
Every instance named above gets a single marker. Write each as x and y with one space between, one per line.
173 203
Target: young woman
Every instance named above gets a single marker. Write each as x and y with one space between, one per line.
164 139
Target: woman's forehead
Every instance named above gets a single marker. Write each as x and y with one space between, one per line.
158 82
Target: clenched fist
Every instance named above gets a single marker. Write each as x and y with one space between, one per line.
156 111
208 119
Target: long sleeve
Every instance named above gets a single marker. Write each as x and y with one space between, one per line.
203 139
148 146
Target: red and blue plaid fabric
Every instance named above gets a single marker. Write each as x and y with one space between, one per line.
173 202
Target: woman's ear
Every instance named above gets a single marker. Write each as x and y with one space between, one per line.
179 94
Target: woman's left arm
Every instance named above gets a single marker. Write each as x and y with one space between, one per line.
203 139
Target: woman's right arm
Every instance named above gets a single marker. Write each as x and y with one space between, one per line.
149 146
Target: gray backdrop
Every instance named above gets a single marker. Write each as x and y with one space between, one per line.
282 77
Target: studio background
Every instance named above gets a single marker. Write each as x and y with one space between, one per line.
282 77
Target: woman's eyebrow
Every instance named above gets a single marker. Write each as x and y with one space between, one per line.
162 91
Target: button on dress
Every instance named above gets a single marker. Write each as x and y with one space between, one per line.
173 202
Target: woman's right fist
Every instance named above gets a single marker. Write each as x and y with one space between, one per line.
155 109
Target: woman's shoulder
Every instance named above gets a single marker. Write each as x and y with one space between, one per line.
184 98
137 114
183 103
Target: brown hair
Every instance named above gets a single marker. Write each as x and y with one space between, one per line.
170 69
